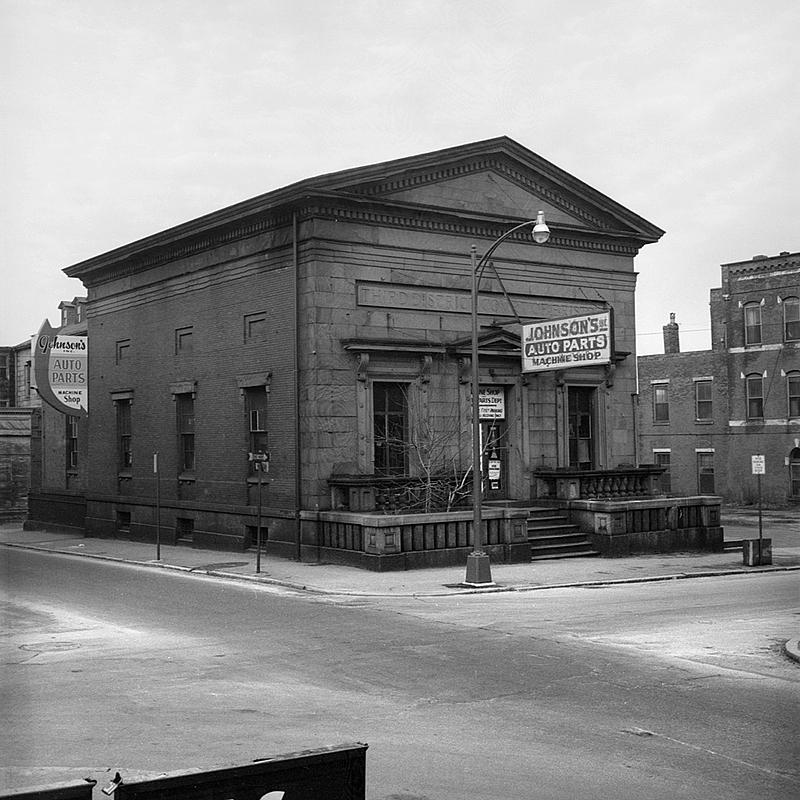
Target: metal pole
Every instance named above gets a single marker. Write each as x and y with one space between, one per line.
478 567
259 468
760 531
158 508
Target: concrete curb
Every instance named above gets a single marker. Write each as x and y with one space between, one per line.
792 649
297 587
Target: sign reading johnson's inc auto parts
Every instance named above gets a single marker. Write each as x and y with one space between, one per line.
60 370
564 343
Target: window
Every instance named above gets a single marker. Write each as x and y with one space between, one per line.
752 323
660 402
794 473
72 442
705 472
755 397
791 319
27 380
255 327
793 389
662 458
184 341
703 401
124 453
123 350
184 406
255 403
390 427
184 529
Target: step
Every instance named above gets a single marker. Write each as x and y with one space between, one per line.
558 527
571 554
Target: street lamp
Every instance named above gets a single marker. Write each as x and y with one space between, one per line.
479 571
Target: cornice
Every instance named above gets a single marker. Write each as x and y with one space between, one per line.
359 210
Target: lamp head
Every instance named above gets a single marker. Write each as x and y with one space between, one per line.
541 233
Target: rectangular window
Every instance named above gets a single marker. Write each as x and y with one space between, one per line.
184 529
255 327
184 341
791 319
663 458
755 397
752 324
255 403
123 350
72 442
705 473
184 406
124 438
703 401
26 389
793 388
390 428
660 402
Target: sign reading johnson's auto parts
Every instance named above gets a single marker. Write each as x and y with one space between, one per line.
565 343
60 367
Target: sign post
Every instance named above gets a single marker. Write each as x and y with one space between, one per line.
758 463
158 507
261 465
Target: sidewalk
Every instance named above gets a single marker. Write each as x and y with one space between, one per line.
334 579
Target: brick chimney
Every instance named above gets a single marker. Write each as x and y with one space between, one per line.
672 342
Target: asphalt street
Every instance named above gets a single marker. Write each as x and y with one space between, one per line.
634 690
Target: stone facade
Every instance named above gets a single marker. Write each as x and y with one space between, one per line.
738 399
322 313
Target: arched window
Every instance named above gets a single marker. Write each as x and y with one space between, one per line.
791 319
794 473
755 396
752 323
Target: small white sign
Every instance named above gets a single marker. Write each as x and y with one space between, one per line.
492 402
759 465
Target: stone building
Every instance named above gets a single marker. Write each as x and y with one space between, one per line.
704 414
328 324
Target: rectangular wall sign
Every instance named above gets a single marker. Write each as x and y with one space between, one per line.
564 343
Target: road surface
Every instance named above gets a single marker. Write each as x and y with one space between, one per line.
665 690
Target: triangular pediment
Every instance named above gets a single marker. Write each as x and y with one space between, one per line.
496 177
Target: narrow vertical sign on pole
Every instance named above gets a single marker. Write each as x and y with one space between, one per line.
758 463
158 507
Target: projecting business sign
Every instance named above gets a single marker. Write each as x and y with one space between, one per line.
563 343
60 366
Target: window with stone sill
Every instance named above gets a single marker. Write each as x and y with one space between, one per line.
661 402
752 324
754 386
793 394
703 401
791 319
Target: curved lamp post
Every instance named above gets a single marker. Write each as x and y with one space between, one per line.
479 571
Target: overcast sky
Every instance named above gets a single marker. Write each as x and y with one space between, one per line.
125 117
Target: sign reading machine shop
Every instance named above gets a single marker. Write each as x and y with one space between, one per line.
60 370
563 343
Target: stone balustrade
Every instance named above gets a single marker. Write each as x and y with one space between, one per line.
597 484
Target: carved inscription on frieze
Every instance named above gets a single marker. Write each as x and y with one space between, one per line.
443 301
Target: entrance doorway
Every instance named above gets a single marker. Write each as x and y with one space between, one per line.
494 447
581 419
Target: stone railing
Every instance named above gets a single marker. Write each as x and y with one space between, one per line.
621 483
406 541
654 525
397 494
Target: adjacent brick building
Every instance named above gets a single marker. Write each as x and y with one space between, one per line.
328 324
704 414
